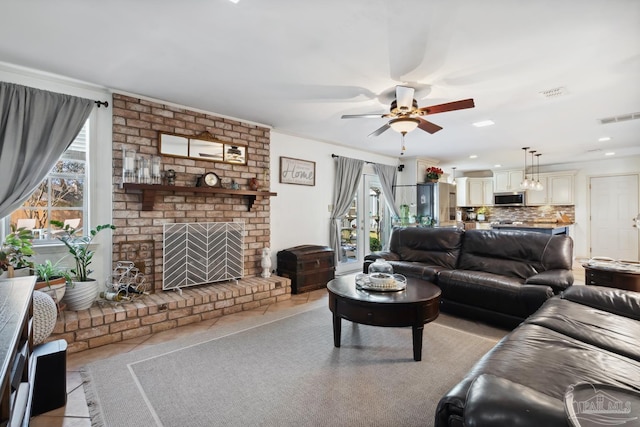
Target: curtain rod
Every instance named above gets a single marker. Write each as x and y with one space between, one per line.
335 156
400 167
102 103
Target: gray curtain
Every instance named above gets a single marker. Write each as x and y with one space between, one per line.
348 174
388 176
36 127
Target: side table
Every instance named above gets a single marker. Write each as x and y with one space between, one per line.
602 276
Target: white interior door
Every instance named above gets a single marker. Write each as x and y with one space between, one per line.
613 208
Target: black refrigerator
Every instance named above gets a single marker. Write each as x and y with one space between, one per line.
436 203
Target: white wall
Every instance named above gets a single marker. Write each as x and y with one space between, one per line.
300 214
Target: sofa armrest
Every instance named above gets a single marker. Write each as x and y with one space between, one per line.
496 401
559 280
617 301
387 255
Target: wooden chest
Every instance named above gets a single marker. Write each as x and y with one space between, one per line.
308 266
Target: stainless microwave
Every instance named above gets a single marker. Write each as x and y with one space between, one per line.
509 199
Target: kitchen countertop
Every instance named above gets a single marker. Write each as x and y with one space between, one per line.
543 225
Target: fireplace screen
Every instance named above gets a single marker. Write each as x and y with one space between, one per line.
202 252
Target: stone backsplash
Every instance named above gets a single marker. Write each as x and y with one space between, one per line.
526 213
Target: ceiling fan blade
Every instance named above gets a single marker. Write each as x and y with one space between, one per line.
428 126
379 130
404 97
364 116
449 106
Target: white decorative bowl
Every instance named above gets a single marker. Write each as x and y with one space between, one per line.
382 280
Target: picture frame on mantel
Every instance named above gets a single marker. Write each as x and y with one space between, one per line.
297 171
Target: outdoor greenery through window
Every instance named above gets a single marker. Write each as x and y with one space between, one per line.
61 196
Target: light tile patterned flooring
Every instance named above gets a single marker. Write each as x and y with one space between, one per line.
76 412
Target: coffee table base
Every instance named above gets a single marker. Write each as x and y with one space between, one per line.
415 306
416 332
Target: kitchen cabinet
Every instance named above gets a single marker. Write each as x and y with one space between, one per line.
558 190
506 181
472 192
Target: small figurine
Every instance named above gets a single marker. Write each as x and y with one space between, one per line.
171 177
266 262
253 184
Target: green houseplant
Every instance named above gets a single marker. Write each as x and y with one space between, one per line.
16 252
51 279
82 290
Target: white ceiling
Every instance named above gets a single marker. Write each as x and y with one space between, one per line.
299 66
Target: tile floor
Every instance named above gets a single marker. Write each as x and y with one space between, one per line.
76 412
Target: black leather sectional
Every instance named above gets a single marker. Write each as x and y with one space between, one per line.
587 335
500 276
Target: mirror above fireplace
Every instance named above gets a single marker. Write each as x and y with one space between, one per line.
202 147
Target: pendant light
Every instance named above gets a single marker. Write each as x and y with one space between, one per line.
539 186
454 175
525 184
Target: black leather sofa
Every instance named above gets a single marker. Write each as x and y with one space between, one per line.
500 276
588 334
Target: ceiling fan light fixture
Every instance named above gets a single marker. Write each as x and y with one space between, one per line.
404 125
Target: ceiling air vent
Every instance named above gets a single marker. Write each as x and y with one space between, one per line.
554 93
621 118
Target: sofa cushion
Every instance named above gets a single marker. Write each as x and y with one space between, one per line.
432 246
546 361
492 292
617 334
494 401
617 301
514 253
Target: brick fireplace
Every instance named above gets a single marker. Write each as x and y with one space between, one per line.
137 124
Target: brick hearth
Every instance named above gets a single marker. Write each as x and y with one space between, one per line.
108 322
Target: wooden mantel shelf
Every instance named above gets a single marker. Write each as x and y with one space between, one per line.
149 192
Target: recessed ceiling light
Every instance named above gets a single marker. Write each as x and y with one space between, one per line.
497 166
473 156
484 123
234 1
610 153
604 138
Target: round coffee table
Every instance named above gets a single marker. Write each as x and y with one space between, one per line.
415 306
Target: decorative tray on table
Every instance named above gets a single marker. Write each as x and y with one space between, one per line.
381 282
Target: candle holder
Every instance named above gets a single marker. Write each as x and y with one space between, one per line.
128 165
156 174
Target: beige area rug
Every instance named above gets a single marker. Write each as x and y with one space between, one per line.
284 371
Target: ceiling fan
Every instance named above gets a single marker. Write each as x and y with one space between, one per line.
406 116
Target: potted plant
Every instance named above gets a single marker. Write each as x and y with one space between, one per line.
51 279
15 252
81 290
482 212
432 174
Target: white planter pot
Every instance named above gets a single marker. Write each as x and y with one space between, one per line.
80 295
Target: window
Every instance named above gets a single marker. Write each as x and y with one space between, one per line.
61 196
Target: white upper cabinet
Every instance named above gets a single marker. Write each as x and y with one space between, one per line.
472 192
558 190
507 181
